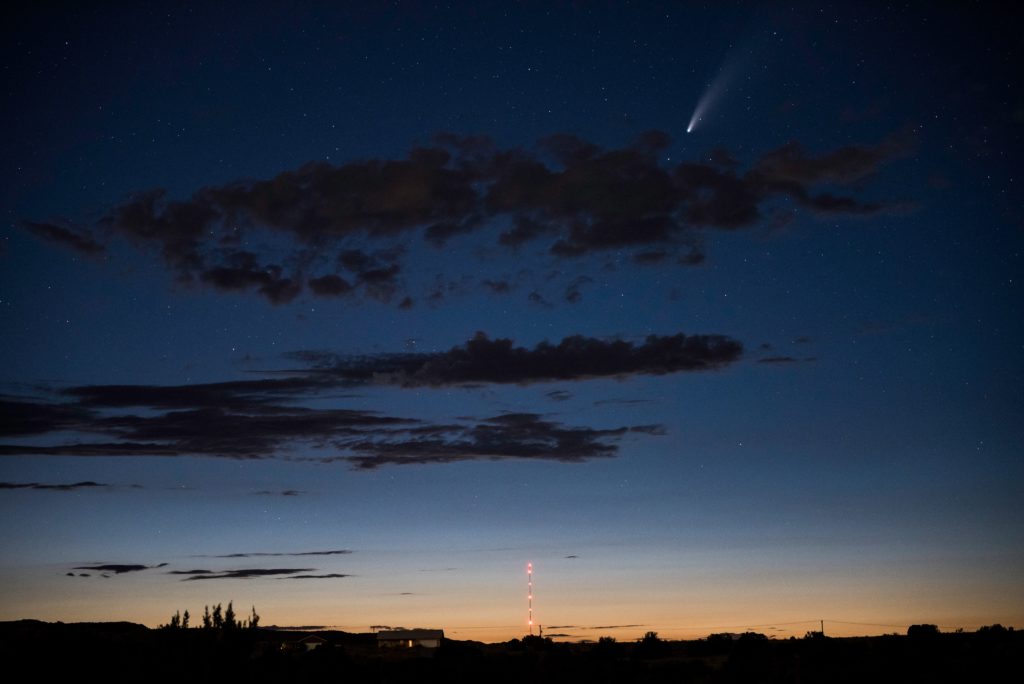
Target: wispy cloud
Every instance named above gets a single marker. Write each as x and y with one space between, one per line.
247 573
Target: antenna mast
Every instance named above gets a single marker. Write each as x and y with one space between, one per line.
529 595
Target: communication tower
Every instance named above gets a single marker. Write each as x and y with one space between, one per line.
529 596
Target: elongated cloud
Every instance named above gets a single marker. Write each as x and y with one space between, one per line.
509 436
118 568
255 419
483 360
265 554
70 487
80 242
333 227
329 575
248 573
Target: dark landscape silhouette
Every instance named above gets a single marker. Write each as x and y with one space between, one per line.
225 649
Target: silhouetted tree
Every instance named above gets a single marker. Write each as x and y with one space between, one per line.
922 631
537 643
218 619
184 620
605 647
207 620
229 617
651 646
254 619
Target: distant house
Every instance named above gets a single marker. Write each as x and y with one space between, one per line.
306 643
407 638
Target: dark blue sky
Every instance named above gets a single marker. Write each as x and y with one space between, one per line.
452 288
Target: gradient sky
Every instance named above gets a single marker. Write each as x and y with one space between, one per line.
447 289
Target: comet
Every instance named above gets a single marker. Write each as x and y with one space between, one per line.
713 93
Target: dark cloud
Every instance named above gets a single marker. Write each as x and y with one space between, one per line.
574 358
241 272
512 435
692 258
778 359
536 297
791 163
650 258
524 230
248 573
559 395
573 196
283 492
118 569
783 360
356 260
573 292
327 576
330 286
78 241
506 436
250 395
263 554
88 484
253 419
622 402
615 626
572 556
27 417
216 432
483 360
497 286
380 283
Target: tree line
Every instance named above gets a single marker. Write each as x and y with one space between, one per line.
218 618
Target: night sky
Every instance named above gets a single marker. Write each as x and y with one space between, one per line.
713 314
